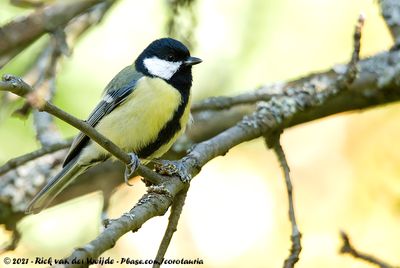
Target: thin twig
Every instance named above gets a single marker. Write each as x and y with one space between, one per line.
45 85
264 93
15 238
17 86
20 160
352 67
347 248
273 141
176 210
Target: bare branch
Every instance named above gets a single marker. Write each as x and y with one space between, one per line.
15 237
176 210
355 58
347 248
44 85
301 102
21 32
18 161
273 141
264 93
18 86
154 203
42 75
27 3
351 72
391 13
182 21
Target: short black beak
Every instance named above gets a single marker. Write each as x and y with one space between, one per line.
191 61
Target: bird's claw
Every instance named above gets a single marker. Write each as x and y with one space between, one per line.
172 168
131 167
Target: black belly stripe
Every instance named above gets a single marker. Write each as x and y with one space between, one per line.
168 131
181 81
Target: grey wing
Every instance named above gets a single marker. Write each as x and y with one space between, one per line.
113 96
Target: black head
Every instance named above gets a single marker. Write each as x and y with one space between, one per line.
168 59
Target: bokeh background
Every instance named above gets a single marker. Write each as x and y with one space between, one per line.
345 168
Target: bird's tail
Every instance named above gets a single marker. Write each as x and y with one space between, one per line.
55 186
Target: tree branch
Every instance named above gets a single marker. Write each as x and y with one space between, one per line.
347 248
42 74
273 141
27 3
45 127
264 93
19 87
179 11
45 86
302 101
352 70
15 237
299 101
19 33
19 161
154 203
176 210
390 10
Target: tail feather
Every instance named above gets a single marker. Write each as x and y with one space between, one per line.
55 186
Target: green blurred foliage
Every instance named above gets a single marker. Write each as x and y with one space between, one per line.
345 168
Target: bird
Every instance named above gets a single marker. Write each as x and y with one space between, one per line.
143 110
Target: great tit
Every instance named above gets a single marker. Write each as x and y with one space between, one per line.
144 109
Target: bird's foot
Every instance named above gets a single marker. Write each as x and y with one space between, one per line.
172 168
131 168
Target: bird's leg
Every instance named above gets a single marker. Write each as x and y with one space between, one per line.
172 168
131 167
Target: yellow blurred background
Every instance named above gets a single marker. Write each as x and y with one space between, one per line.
345 168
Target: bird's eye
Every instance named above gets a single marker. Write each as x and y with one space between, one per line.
170 57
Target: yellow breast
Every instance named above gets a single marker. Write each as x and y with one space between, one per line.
138 120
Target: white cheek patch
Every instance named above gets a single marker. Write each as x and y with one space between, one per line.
161 68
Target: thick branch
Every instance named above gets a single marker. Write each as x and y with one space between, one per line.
391 13
377 83
155 203
301 101
19 33
265 93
